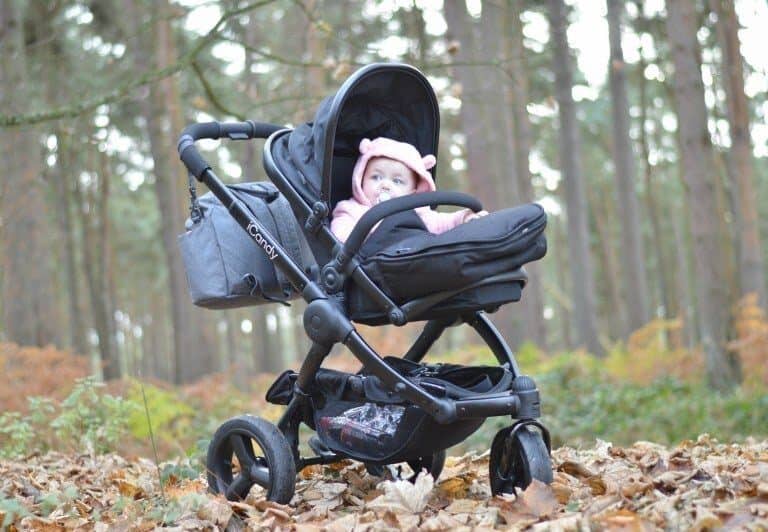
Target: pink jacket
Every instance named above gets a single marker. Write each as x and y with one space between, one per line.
347 213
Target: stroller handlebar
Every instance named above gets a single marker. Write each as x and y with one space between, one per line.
404 203
216 130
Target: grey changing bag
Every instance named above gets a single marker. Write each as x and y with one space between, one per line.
225 268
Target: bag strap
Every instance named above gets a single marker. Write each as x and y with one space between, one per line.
195 212
287 233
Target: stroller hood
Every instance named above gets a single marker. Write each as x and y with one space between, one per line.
380 100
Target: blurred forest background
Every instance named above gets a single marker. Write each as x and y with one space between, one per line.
638 124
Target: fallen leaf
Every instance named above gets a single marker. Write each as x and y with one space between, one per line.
461 506
338 466
455 487
406 521
442 521
311 471
571 522
539 499
562 491
403 496
323 506
707 521
597 485
575 469
216 512
346 523
622 520
129 489
635 485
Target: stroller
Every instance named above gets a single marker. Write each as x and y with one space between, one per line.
395 409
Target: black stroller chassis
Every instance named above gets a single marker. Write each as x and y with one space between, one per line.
438 405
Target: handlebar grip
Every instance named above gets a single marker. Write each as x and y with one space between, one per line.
403 203
215 130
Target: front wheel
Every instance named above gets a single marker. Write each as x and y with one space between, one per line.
248 450
517 458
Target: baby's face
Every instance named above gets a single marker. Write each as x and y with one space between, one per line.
386 178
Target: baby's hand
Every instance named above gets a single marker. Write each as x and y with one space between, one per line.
469 215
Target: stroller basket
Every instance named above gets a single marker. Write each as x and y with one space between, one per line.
357 416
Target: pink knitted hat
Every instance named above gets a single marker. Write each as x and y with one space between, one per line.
399 151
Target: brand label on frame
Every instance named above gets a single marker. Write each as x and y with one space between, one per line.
268 248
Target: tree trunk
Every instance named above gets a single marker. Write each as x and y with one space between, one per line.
684 291
575 199
561 290
633 256
63 185
517 102
459 37
27 288
609 264
663 267
105 277
697 169
201 356
499 144
191 353
315 52
488 44
740 163
90 212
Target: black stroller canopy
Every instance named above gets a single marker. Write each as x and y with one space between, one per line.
380 100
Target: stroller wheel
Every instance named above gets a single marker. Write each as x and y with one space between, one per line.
248 450
518 458
433 464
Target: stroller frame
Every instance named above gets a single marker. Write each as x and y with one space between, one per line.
326 324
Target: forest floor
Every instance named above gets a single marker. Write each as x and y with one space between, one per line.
697 485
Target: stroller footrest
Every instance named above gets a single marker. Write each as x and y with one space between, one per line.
488 406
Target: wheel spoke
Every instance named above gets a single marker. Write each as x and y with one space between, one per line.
243 450
239 487
259 473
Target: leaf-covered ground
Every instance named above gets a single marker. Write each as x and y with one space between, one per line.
699 485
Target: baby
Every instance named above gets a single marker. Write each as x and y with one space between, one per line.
389 169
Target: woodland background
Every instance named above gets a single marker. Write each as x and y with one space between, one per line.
651 298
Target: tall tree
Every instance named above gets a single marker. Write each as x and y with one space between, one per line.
27 288
92 208
663 269
751 271
585 314
633 257
460 42
192 352
697 166
498 119
517 101
63 183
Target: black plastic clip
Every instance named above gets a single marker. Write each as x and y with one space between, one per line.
319 213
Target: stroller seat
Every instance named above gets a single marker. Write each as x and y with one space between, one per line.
475 266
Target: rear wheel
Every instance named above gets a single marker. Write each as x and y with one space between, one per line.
517 458
248 450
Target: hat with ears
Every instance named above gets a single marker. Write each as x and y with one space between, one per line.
399 151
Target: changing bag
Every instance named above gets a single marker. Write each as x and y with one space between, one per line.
225 268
